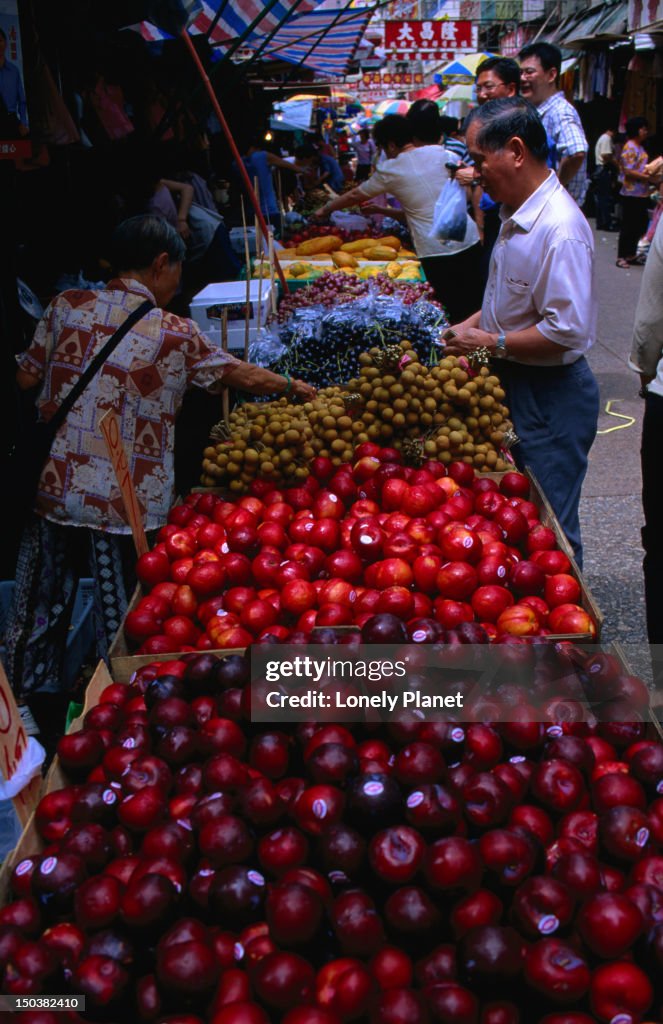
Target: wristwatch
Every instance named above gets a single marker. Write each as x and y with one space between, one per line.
500 346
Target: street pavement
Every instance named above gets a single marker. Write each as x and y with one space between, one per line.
610 510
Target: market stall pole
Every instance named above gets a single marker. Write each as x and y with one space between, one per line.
231 142
225 398
247 311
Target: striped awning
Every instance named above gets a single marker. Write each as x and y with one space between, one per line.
236 16
320 40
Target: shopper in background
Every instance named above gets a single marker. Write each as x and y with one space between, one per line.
414 175
366 152
496 78
453 138
634 193
318 169
539 309
647 360
540 68
259 163
604 179
12 93
80 521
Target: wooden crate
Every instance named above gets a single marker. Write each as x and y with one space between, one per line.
30 841
548 518
124 664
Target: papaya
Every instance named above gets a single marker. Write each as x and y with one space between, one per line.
391 240
358 245
393 269
380 252
344 259
300 270
317 246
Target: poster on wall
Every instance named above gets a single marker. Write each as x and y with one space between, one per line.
14 124
644 14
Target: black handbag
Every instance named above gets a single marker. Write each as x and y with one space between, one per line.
33 443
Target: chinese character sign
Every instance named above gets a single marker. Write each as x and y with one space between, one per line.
426 40
374 80
13 107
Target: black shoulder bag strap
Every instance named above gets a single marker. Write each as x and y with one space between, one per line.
61 413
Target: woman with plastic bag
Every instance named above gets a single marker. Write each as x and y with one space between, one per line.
415 175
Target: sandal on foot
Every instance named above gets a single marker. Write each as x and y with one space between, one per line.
623 264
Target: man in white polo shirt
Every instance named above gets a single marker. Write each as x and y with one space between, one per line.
539 309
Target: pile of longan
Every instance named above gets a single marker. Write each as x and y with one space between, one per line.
448 412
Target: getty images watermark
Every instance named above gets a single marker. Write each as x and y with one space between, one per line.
324 692
553 683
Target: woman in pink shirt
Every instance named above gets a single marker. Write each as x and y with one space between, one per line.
634 192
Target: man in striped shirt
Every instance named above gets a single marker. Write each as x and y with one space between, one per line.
540 67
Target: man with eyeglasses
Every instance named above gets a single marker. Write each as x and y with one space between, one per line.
497 78
540 68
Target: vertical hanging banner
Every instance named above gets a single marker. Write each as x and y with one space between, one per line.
426 40
644 14
110 429
14 124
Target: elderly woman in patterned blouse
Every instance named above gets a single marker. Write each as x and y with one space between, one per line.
79 521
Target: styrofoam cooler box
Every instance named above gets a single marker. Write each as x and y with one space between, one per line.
208 305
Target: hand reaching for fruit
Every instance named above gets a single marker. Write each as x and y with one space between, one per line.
467 339
302 390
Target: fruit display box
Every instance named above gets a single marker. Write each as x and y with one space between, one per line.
124 664
599 958
30 841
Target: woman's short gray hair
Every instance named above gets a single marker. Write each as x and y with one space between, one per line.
137 242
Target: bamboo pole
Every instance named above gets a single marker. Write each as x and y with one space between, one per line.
225 398
229 136
247 310
272 280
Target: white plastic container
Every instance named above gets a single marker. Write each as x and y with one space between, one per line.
208 305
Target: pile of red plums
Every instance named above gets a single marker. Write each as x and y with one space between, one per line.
204 869
433 549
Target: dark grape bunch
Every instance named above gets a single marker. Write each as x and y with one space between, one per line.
325 348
